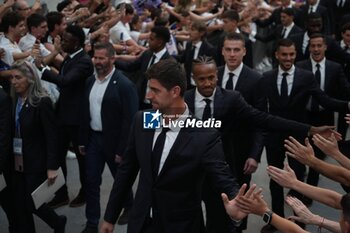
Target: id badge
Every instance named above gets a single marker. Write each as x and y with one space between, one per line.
17 151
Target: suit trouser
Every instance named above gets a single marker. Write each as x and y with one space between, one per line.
275 153
7 203
217 220
95 160
67 135
23 185
342 125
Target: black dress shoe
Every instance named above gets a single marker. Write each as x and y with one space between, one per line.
268 228
78 201
58 201
62 226
90 229
124 218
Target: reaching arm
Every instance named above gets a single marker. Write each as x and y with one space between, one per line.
330 147
305 155
304 215
287 178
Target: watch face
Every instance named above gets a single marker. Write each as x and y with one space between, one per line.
266 217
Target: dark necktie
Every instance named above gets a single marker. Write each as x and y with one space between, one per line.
229 84
193 52
152 60
314 103
158 151
310 9
207 110
283 32
284 89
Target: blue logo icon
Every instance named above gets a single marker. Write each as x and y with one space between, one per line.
151 120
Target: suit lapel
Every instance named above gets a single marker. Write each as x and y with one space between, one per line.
191 101
328 75
241 78
110 90
182 140
221 71
297 80
218 103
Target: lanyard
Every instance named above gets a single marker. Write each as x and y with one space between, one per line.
19 106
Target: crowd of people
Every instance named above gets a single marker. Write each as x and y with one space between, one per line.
80 80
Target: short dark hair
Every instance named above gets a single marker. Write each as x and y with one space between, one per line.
10 19
62 5
345 27
345 204
284 43
288 11
199 26
161 33
78 33
129 9
107 46
54 18
231 15
169 73
34 20
318 35
235 36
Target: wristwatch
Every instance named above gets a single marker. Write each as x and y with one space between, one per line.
267 217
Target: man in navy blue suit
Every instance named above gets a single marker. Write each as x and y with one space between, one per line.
110 104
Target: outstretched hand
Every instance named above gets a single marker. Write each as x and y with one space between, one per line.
285 177
231 206
328 146
296 150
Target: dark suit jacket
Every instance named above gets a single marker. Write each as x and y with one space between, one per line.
5 129
276 33
304 86
303 12
141 64
119 105
71 82
195 153
247 140
185 58
336 82
38 129
334 52
231 108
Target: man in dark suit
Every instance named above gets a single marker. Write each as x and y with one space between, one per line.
110 104
283 30
76 68
5 165
247 142
312 6
197 46
168 198
157 51
314 24
331 79
287 91
230 19
232 110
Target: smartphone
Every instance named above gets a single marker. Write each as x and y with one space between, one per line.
122 36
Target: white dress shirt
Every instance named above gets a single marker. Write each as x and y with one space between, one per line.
159 56
306 39
95 101
343 46
170 138
199 104
10 48
290 79
236 73
288 29
322 71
